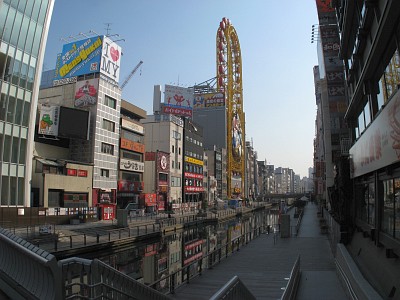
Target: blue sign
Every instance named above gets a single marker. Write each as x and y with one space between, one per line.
79 58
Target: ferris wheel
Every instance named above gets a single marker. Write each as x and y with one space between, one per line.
229 82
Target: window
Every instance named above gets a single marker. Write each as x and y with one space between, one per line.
104 173
132 155
107 148
175 181
108 125
110 102
132 136
391 208
173 149
130 176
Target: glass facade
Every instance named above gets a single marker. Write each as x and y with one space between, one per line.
23 26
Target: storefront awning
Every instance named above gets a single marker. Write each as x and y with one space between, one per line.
48 162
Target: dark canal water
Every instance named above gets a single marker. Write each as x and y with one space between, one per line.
177 256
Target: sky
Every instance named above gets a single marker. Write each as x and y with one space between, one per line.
176 40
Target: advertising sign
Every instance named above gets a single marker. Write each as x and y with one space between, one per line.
79 58
177 100
133 146
208 100
49 120
86 92
110 59
132 126
379 145
131 165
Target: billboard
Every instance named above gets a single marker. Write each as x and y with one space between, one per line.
49 120
208 100
110 59
73 123
79 58
86 92
90 55
177 100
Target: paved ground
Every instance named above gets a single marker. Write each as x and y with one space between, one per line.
263 265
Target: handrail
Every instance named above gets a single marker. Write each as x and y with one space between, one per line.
293 283
93 279
27 271
233 289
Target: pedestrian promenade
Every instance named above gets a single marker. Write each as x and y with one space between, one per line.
263 265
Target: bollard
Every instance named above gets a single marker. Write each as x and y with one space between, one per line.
84 239
97 238
109 236
55 244
70 241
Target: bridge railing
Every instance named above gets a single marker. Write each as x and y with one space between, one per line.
233 289
26 271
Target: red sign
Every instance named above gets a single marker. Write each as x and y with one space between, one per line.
72 172
193 175
150 199
176 110
133 146
82 173
194 189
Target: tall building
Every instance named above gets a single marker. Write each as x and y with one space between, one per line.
79 118
24 27
193 165
164 160
331 100
131 158
369 47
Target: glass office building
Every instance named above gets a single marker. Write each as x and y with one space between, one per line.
24 27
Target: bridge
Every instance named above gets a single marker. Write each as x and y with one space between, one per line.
28 272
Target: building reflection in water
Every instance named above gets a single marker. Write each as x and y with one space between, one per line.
155 260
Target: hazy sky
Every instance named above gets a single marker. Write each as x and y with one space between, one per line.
176 39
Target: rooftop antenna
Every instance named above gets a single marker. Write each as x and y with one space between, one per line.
108 29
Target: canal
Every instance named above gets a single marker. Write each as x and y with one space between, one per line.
177 256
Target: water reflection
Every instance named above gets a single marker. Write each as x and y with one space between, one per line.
185 253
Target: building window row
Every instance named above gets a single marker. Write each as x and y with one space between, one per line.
131 136
175 181
176 165
110 102
107 148
108 125
193 169
388 85
193 154
173 150
194 141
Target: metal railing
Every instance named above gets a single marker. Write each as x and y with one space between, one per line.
93 279
27 272
293 282
232 290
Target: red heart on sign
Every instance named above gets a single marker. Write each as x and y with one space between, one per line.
114 54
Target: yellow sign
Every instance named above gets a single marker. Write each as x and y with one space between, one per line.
193 161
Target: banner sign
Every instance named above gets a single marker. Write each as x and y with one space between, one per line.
49 117
86 92
79 58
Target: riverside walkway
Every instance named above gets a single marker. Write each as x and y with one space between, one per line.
263 265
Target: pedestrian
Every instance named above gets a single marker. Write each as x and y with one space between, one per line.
268 229
275 234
